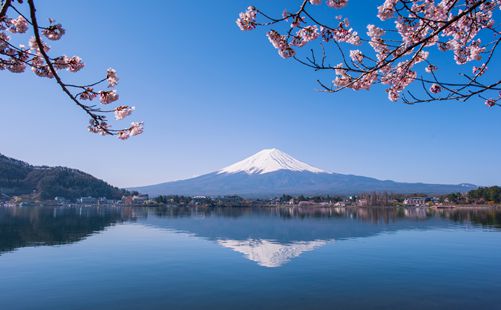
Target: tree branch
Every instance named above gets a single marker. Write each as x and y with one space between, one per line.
36 30
5 7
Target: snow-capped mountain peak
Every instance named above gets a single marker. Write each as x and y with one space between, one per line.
269 160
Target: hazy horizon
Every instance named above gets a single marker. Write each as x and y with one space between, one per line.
236 161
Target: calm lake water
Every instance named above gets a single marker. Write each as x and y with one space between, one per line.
179 258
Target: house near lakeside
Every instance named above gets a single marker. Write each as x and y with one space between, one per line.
416 201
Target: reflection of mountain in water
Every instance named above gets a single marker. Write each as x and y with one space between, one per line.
21 227
268 236
268 253
282 226
272 237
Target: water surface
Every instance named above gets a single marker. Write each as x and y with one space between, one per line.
245 258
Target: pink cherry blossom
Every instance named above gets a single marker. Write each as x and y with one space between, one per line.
305 35
387 10
61 62
34 46
75 63
40 68
430 68
247 19
297 21
392 94
337 4
490 103
123 111
356 56
287 52
285 14
19 25
123 134
88 94
435 88
108 96
15 66
341 34
54 32
111 77
101 128
136 128
4 39
280 42
478 71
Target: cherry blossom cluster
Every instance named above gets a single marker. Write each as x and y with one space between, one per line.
247 19
17 58
332 3
397 47
341 33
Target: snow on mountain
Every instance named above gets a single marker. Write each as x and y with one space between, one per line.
269 160
268 253
271 172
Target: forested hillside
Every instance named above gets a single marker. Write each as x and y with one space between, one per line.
20 178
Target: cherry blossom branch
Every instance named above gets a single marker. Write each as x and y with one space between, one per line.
37 58
53 71
453 25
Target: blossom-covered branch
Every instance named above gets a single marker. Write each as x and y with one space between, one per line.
17 58
396 52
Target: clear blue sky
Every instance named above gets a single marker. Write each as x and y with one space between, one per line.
210 95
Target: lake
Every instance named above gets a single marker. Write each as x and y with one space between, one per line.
249 258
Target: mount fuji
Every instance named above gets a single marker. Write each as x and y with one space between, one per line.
272 172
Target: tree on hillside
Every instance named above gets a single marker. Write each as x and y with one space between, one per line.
16 58
492 193
399 51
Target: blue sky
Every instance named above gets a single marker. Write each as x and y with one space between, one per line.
210 95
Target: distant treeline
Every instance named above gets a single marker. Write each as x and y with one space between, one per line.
224 201
477 196
490 194
480 195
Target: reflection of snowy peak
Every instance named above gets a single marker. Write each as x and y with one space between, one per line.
268 253
268 160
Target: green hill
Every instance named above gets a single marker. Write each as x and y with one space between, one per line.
20 178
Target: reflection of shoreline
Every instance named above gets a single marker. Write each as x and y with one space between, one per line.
268 253
363 213
21 227
41 226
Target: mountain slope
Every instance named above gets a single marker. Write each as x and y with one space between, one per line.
272 172
20 178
